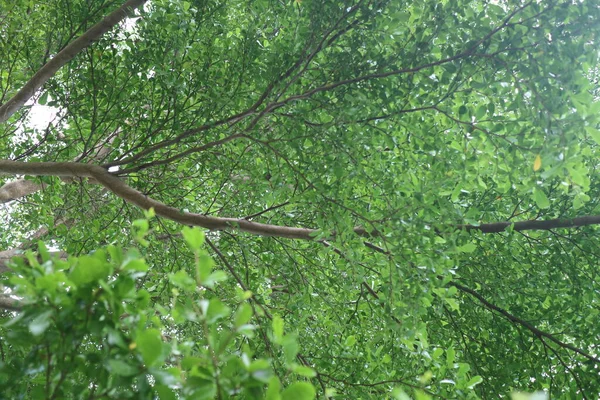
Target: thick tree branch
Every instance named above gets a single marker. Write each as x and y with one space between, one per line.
548 224
121 189
129 194
64 56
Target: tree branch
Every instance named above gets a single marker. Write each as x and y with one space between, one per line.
64 56
529 225
131 195
121 189
537 332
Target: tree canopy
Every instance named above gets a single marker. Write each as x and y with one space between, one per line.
269 199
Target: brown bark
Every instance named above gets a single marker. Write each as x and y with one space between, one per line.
64 56
548 224
129 194
16 189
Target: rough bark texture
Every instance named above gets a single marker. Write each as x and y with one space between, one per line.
16 189
64 56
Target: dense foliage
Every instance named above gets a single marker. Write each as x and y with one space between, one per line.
390 199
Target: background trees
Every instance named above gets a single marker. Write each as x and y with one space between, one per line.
346 158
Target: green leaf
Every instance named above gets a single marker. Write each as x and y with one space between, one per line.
182 280
242 315
540 198
149 344
474 381
204 267
194 237
467 248
273 389
290 347
277 324
41 322
299 391
121 368
304 371
594 133
90 269
43 98
350 341
216 310
165 393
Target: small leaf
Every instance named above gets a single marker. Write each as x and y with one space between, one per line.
277 328
121 368
350 341
466 248
537 163
299 391
216 310
43 98
273 389
182 280
594 133
193 236
474 381
204 266
541 200
304 371
90 269
290 348
242 315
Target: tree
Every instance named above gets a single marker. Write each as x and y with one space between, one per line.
387 199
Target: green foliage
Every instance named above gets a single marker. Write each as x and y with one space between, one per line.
392 129
90 329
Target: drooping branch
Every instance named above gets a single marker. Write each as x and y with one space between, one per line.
516 320
64 56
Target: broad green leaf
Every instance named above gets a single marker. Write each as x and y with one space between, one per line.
204 267
594 133
304 371
193 236
122 368
149 344
89 269
273 389
299 391
242 315
350 341
474 381
540 198
467 248
216 310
